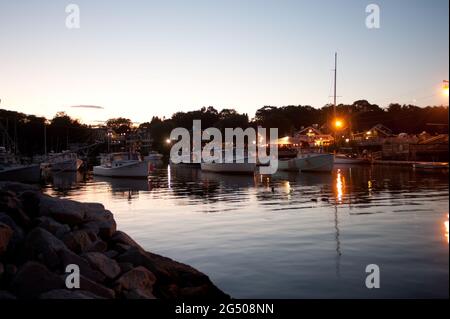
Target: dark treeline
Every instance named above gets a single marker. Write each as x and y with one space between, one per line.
27 131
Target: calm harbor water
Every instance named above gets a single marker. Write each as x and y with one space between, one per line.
289 235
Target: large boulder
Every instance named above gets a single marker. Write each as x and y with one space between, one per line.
67 257
18 233
120 237
62 210
12 206
33 279
62 294
80 240
52 226
107 266
43 246
137 283
5 235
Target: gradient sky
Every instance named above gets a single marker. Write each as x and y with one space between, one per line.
143 58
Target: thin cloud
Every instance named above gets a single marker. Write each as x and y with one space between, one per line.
88 107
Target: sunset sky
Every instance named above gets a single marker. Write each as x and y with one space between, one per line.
142 58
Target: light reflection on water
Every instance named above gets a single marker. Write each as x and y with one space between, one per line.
288 235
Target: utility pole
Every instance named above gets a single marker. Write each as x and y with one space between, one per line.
335 84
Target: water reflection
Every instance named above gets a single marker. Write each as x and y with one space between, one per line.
290 235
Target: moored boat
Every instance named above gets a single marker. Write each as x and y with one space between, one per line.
123 165
65 162
308 162
12 170
345 159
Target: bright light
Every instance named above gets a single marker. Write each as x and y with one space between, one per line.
369 132
445 88
347 140
338 123
168 141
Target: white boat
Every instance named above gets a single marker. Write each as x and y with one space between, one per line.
344 159
230 168
63 162
122 165
308 162
12 170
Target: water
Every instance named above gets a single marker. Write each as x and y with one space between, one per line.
289 235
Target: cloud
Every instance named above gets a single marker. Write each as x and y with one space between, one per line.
88 107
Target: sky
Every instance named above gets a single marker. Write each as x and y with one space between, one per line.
137 59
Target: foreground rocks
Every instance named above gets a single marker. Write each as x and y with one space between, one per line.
40 236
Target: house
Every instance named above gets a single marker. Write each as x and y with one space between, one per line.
313 136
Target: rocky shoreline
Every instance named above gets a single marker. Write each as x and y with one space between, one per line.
40 236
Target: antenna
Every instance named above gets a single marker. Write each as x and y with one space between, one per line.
335 85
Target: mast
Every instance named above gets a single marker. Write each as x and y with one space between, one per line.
335 85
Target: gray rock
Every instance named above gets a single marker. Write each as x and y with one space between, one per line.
52 226
61 294
102 263
62 210
67 257
78 241
5 236
138 279
111 254
11 205
43 246
120 237
33 279
18 234
17 187
95 288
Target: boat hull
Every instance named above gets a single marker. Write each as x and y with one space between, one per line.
308 163
137 170
71 165
229 168
349 161
24 174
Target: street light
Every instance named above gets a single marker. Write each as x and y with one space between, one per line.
445 88
168 141
338 123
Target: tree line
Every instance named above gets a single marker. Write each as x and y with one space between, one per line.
27 131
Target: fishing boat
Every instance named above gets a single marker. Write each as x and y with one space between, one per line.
63 162
154 158
12 170
239 165
431 166
307 162
123 165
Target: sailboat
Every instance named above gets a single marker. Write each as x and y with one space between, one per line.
12 170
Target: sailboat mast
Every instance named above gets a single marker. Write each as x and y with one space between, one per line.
335 80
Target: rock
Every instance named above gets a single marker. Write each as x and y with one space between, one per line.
121 248
78 241
10 270
4 295
2 270
67 257
125 267
68 294
18 236
99 218
95 288
104 264
17 187
52 226
98 246
120 237
43 246
111 254
33 279
169 272
62 210
5 236
139 281
30 202
10 205
104 228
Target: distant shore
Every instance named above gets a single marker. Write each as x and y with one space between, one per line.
40 236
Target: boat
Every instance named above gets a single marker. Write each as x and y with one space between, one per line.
431 166
12 170
236 167
154 158
308 162
347 159
63 162
123 164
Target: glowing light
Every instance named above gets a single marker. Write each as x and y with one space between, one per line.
445 88
369 132
446 228
339 186
347 140
338 123
168 141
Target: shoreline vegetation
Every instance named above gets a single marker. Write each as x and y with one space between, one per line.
41 235
26 132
